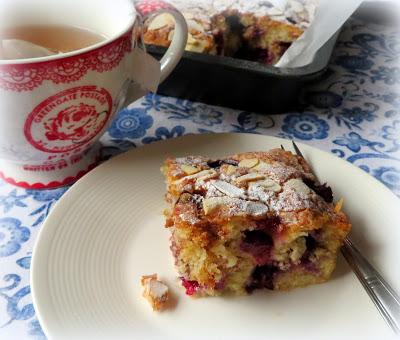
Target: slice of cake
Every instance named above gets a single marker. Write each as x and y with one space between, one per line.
250 221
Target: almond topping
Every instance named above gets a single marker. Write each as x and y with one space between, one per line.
262 166
249 163
155 291
229 189
202 175
161 21
268 184
298 186
252 176
189 170
230 169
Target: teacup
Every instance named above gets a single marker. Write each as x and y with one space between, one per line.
54 109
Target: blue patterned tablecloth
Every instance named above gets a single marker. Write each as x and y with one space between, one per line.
353 113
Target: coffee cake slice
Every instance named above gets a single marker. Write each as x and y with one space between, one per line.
250 221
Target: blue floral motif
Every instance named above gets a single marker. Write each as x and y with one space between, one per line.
162 133
390 176
390 75
48 197
354 142
12 234
392 113
250 122
35 330
392 133
354 63
324 99
305 126
131 123
357 115
11 200
392 98
24 262
372 45
200 114
14 311
389 98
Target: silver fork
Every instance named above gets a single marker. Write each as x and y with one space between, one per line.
382 295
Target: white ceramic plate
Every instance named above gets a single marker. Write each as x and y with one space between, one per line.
108 230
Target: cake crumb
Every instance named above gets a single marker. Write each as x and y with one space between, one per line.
155 291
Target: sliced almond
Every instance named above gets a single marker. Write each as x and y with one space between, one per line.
212 203
249 163
298 186
191 40
268 184
206 174
196 45
262 166
161 21
189 170
229 189
230 169
202 175
192 24
256 208
252 176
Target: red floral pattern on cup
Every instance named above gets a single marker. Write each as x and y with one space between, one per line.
146 7
69 119
28 76
76 123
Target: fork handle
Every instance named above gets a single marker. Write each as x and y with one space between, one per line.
384 297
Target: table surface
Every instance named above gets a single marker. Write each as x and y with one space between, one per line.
354 113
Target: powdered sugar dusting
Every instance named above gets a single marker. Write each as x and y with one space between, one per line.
300 12
267 187
229 189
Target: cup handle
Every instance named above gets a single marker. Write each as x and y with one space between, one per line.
149 8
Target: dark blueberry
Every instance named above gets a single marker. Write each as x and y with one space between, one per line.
214 164
311 243
322 190
257 237
217 163
269 224
219 41
259 244
262 277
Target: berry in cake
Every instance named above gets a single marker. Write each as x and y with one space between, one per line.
250 221
155 291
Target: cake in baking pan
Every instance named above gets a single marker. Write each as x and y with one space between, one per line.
247 29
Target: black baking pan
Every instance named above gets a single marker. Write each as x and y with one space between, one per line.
241 84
